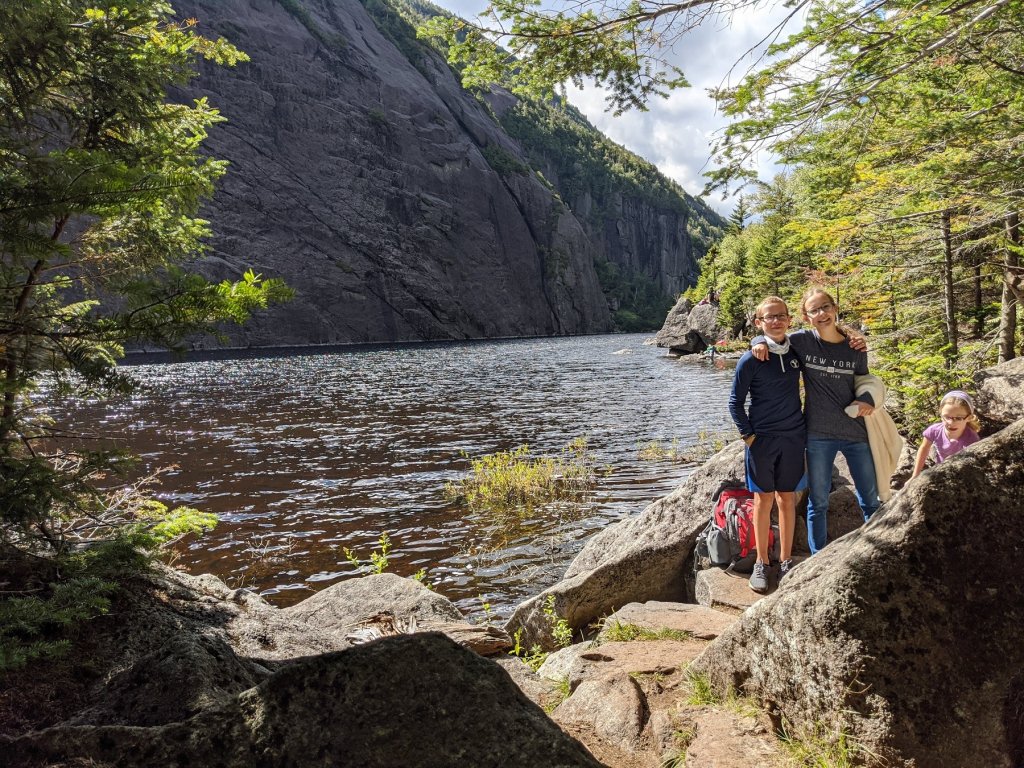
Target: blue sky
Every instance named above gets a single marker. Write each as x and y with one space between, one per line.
676 133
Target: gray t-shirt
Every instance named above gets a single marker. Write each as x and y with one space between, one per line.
828 370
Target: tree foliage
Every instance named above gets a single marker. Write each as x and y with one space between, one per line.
902 125
101 177
532 47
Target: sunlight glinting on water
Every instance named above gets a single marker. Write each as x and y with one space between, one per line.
303 455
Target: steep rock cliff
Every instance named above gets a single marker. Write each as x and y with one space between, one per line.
637 218
387 196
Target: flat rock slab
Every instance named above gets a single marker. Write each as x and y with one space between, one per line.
730 592
722 739
702 622
637 657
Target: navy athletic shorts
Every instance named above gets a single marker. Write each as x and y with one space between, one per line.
776 463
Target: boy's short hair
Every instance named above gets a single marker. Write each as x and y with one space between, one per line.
769 300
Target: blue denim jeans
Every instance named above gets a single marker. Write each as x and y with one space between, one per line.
821 455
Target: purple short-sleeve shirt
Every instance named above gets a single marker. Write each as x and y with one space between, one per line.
944 445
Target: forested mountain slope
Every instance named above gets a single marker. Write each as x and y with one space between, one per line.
393 201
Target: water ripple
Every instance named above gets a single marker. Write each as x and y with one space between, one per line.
303 455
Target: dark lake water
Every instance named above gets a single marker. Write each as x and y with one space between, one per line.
303 455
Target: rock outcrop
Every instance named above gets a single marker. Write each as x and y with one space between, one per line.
410 700
689 328
906 633
387 196
635 217
186 672
649 556
629 696
1000 394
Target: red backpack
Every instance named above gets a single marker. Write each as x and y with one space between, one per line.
729 536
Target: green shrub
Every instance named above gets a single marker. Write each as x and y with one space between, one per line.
561 631
510 479
503 162
378 562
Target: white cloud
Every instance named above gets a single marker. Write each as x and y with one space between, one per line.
676 134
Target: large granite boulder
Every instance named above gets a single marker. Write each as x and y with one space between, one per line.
650 556
174 644
689 328
411 700
906 633
1000 394
341 607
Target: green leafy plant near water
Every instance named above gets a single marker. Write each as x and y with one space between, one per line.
561 633
655 450
378 562
516 479
534 656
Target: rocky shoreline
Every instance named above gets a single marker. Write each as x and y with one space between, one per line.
902 635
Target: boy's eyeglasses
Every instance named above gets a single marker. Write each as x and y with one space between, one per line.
954 419
774 318
818 310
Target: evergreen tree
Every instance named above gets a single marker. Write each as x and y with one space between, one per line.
101 177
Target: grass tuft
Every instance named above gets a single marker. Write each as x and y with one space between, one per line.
511 479
618 632
702 694
821 749
683 739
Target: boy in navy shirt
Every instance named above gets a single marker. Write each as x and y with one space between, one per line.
774 432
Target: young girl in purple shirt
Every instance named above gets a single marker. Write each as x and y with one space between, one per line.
957 429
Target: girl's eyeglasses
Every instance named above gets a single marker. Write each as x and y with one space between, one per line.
954 419
818 310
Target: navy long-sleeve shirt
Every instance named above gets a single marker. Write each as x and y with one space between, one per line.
774 389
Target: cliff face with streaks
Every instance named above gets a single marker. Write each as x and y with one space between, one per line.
389 198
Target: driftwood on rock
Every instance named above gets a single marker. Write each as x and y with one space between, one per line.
906 634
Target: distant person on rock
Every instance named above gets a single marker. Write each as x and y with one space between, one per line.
830 359
774 432
957 428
